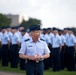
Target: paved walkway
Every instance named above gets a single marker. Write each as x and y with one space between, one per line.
7 73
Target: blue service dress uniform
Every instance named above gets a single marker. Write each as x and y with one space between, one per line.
34 48
15 39
9 35
71 41
75 53
65 52
0 46
4 41
62 52
50 36
22 61
56 41
46 38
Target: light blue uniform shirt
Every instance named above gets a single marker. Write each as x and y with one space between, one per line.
32 48
71 40
63 40
15 38
0 36
45 38
56 41
5 38
23 38
19 33
66 35
9 34
50 36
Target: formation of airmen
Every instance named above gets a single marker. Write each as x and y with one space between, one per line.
62 44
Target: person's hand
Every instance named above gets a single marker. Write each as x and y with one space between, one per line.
34 58
31 57
37 57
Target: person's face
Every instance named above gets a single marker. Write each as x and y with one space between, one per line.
21 28
22 33
3 30
60 32
8 29
55 32
48 31
69 32
36 33
44 31
65 31
13 31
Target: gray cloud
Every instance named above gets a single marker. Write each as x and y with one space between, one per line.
59 13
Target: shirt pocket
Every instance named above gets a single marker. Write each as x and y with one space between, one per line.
41 50
30 50
16 38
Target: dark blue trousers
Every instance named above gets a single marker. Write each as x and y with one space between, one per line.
50 60
4 55
47 64
65 57
14 56
0 53
9 54
71 59
33 68
22 64
56 59
75 58
62 58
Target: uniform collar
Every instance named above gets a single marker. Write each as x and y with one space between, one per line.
31 40
56 35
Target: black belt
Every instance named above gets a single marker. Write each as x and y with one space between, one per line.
56 48
32 61
14 44
4 44
70 46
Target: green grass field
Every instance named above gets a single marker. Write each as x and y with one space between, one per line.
47 72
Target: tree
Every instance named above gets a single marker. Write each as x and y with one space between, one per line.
30 22
73 29
4 20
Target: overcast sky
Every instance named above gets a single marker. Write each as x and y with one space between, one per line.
52 13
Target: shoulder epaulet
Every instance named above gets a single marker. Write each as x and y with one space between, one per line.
27 40
42 39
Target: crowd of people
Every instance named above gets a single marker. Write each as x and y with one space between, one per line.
61 43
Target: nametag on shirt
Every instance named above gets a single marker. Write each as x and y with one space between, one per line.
30 46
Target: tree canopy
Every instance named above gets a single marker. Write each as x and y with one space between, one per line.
30 22
4 20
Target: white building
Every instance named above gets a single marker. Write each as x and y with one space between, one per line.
16 19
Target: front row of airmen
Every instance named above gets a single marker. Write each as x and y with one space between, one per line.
32 46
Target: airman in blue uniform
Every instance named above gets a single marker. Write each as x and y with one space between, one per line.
9 33
50 34
24 37
63 49
34 50
56 47
0 45
15 44
71 43
5 44
46 38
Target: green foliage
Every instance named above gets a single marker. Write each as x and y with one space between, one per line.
30 22
4 20
73 29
